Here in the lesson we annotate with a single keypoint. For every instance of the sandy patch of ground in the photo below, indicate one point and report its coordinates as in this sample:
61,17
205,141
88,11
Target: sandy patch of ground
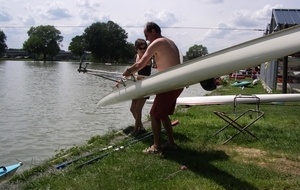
277,162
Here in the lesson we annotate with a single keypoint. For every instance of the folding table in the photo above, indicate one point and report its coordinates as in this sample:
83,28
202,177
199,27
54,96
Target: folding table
233,121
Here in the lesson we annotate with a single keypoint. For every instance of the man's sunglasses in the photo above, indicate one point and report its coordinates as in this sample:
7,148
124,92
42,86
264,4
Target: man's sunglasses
142,48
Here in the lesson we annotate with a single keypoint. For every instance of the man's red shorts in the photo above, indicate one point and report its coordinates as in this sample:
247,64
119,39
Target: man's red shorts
164,104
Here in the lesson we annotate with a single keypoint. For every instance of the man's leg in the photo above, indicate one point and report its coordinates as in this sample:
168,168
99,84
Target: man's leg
156,129
169,130
166,121
161,109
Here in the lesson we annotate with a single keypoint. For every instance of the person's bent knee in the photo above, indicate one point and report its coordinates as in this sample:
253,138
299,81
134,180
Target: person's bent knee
132,110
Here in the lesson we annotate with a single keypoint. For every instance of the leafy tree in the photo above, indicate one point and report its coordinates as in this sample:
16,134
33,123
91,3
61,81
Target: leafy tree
53,48
196,51
3,45
129,52
106,41
43,40
78,46
34,45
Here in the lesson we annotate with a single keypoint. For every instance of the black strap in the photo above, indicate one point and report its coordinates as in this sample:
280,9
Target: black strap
209,84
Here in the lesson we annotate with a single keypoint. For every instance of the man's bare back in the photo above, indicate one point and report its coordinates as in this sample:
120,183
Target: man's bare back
165,52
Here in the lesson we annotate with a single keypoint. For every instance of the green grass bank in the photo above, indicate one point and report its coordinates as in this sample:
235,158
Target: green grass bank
202,162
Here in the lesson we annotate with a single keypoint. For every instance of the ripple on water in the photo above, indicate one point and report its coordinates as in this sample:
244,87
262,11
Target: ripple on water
49,106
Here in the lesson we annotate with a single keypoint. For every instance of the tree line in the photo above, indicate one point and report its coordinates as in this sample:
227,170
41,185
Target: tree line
107,42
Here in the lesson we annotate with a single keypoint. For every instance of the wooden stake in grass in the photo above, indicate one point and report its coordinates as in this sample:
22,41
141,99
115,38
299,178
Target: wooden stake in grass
181,168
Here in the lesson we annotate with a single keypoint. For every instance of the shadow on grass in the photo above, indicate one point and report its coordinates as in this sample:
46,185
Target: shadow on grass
200,160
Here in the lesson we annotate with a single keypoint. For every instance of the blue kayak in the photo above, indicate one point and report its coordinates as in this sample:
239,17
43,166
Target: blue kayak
241,83
6,171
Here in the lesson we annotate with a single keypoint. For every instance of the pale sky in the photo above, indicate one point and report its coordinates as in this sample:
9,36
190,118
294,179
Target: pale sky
186,22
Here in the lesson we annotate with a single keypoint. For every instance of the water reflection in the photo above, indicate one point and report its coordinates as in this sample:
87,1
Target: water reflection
49,106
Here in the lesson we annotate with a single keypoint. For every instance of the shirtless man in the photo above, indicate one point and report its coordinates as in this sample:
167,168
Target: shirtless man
166,55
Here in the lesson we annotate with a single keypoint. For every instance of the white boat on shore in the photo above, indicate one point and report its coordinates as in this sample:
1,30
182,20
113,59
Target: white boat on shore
229,99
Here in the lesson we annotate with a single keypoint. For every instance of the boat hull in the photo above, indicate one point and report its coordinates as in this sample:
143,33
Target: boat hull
241,83
248,54
7,171
229,99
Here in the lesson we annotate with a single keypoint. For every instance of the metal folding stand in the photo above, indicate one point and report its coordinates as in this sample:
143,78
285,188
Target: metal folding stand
233,121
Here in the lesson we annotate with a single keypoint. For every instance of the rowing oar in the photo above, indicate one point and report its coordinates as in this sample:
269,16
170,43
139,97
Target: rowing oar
105,74
120,148
101,150
114,150
77,159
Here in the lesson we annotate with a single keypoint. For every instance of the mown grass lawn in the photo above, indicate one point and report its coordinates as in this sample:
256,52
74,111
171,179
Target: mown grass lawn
202,162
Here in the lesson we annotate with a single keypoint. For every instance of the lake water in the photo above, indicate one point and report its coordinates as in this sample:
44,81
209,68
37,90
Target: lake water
47,106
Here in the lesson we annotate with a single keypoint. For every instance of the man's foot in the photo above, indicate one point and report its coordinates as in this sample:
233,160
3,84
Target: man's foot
152,150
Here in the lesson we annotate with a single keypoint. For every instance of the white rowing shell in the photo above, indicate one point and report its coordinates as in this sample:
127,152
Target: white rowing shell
229,99
248,54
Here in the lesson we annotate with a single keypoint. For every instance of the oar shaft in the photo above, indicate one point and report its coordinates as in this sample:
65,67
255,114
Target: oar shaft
77,159
104,149
117,149
146,135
